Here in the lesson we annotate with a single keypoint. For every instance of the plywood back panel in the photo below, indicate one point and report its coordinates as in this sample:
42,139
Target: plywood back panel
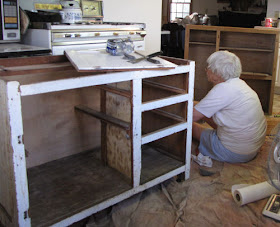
200,54
8,208
257,62
119,154
247,40
262,89
118,141
53,129
203,36
118,106
122,85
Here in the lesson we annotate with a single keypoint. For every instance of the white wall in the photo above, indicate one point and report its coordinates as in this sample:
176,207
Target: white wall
272,6
144,11
205,6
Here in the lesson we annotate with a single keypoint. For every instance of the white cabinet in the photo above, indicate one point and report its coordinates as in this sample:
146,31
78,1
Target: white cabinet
75,143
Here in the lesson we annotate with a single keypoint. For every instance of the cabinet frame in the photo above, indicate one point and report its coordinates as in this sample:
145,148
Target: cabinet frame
257,49
16,209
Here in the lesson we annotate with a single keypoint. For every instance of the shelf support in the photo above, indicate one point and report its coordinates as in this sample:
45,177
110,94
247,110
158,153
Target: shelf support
103,117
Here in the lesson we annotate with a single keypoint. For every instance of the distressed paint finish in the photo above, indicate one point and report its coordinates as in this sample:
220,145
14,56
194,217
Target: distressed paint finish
136,129
189,119
164,102
17,206
7,185
93,80
141,178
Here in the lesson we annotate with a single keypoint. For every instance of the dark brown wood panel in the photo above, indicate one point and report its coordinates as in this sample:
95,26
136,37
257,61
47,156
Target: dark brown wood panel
256,48
64,187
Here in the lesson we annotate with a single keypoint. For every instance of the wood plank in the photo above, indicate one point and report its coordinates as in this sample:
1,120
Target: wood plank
91,186
245,49
189,113
67,83
103,127
70,185
55,125
149,137
168,115
252,41
177,61
164,102
164,86
13,180
136,130
103,117
119,152
35,67
230,29
155,164
202,43
7,179
260,76
119,155
12,62
115,90
256,74
95,60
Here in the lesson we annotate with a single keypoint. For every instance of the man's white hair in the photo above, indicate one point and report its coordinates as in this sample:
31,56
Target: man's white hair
225,64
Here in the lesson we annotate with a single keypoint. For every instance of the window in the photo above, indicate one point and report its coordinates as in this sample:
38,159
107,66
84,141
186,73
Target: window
179,9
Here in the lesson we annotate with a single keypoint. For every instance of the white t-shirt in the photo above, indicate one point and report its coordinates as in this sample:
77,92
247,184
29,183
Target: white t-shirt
237,111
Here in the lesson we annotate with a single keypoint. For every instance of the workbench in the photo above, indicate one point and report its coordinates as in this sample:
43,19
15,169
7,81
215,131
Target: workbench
74,143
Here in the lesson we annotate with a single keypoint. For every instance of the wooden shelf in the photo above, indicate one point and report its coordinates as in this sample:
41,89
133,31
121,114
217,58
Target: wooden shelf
246,49
255,76
103,117
202,43
164,87
89,182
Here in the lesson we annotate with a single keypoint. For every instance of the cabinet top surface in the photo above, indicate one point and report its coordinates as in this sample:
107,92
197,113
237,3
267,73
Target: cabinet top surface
52,73
233,29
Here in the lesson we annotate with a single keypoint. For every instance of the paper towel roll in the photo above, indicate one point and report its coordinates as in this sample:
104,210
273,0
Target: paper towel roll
244,193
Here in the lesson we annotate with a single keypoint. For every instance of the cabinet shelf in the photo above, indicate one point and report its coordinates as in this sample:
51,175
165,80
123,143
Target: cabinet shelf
103,117
202,43
246,49
164,87
90,183
150,137
255,76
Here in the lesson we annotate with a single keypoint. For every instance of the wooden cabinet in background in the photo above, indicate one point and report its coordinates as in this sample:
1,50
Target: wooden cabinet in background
256,48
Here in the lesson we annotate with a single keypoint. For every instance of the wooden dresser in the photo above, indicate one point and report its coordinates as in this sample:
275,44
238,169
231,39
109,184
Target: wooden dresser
256,48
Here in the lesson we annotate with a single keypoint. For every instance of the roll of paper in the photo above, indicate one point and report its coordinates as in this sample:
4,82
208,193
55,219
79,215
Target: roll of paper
244,193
